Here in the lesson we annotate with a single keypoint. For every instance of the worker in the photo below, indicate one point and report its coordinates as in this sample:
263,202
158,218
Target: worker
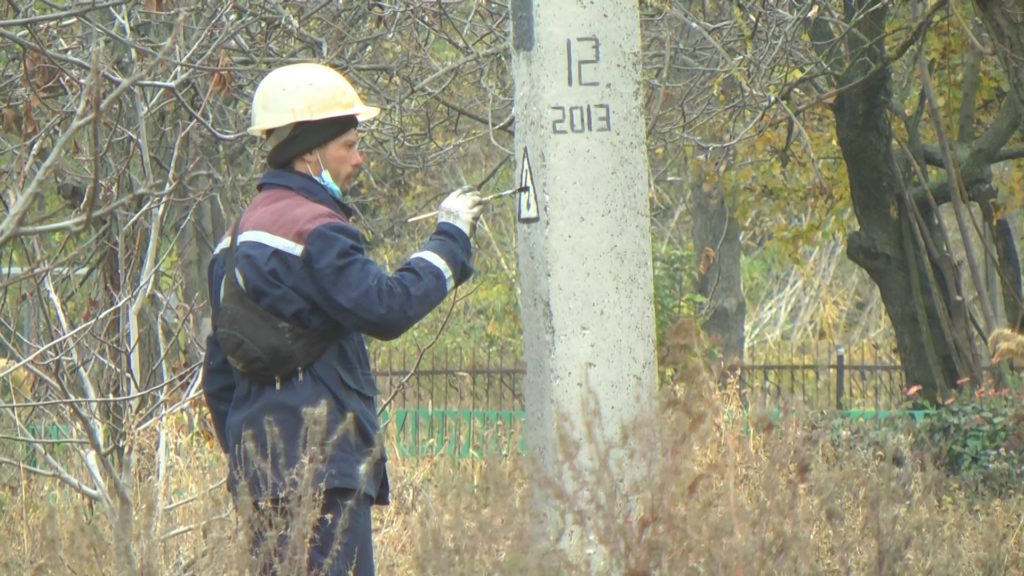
287,377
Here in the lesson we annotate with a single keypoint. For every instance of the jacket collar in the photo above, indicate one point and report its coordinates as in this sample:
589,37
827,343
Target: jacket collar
303,184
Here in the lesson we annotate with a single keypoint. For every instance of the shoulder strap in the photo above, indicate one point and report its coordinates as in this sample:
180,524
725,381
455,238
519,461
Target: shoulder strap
230,264
230,271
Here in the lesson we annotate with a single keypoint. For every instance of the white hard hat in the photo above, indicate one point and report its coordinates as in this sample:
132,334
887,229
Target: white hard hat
303,92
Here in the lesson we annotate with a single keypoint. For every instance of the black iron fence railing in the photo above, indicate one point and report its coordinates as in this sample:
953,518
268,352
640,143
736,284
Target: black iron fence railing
446,379
821,379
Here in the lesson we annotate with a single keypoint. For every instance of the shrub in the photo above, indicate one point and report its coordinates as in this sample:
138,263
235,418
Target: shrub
981,440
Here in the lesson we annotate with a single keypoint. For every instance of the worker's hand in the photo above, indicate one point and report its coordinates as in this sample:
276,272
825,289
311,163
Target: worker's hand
461,208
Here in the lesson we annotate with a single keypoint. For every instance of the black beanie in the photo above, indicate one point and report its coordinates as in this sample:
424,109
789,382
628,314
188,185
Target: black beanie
305,136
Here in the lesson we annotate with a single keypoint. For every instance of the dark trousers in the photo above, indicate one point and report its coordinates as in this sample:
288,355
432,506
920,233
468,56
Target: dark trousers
341,542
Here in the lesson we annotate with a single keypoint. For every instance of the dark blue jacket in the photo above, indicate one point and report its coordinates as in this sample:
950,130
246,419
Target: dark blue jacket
299,258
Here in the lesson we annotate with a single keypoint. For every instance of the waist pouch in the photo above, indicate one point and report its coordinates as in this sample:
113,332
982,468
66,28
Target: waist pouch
256,342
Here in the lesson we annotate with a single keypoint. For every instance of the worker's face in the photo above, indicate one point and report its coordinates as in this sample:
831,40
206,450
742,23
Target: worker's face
341,158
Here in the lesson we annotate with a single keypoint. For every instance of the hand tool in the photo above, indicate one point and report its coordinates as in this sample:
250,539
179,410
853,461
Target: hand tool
484,199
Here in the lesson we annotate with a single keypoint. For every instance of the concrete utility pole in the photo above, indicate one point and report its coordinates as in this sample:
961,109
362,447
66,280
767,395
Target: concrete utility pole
584,244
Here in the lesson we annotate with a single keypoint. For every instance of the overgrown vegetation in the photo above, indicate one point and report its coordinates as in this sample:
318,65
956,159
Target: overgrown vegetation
711,494
981,441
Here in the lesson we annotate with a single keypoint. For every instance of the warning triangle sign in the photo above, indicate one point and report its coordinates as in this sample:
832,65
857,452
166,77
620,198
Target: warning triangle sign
529,211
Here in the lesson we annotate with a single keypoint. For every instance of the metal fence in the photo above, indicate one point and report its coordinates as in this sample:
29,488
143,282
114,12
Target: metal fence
450,379
819,377
835,378
449,402
825,377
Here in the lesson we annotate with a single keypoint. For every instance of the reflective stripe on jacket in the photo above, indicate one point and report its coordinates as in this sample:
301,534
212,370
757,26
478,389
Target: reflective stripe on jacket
299,258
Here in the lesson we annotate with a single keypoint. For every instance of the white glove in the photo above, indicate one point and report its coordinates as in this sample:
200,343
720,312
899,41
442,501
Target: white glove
462,208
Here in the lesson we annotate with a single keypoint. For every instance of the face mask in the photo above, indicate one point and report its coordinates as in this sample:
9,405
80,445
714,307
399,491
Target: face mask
326,179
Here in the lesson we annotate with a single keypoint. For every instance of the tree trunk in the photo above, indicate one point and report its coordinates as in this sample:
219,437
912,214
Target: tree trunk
1008,271
915,286
1005,22
716,239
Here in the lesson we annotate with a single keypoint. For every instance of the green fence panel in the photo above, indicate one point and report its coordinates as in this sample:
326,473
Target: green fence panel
456,432
867,415
475,433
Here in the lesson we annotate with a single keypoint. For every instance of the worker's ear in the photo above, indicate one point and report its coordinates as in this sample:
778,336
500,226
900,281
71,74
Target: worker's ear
311,157
307,163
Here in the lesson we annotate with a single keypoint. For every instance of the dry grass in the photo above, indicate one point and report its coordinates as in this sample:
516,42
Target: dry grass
715,495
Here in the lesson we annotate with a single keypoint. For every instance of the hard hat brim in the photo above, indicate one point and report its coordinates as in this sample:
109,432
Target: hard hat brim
363,113
368,113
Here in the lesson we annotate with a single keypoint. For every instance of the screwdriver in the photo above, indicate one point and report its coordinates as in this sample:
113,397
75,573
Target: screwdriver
484,199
